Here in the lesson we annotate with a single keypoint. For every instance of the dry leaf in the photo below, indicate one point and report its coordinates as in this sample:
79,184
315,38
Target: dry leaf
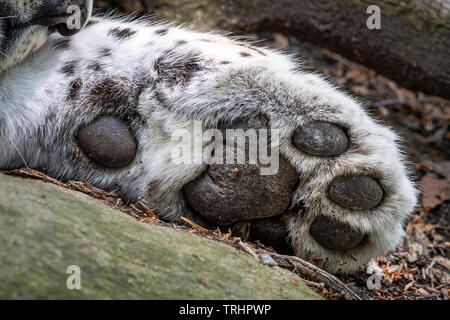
435,191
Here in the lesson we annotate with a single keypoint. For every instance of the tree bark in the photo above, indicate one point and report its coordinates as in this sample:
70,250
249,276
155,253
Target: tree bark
44,229
412,47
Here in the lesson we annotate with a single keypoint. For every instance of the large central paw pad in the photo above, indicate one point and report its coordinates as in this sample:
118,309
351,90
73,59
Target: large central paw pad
228,193
233,192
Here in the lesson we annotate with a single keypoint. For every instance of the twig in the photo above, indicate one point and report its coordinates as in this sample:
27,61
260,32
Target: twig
439,134
147,210
30,173
198,227
427,297
309,270
427,270
245,247
443,285
320,285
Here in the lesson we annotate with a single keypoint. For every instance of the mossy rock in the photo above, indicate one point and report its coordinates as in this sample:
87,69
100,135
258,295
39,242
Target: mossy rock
44,229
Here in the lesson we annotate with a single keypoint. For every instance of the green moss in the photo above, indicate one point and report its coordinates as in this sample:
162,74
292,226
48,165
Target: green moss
44,229
201,14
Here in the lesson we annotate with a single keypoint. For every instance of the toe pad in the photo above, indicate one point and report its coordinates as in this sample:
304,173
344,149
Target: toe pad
108,142
355,192
321,139
334,235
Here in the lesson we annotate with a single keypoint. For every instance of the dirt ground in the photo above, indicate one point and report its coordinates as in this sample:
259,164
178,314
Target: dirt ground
419,268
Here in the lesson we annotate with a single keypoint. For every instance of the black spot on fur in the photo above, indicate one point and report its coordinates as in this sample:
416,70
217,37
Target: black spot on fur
74,88
160,97
111,93
245,54
225,62
181,42
162,32
259,51
122,33
177,69
63,43
105,52
69,68
49,118
95,66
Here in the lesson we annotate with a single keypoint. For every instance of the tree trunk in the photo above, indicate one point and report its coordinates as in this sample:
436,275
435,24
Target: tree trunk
44,229
412,47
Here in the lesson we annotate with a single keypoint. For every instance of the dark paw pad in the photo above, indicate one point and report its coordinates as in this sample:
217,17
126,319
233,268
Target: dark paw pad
271,232
108,141
355,192
228,193
335,235
321,139
234,192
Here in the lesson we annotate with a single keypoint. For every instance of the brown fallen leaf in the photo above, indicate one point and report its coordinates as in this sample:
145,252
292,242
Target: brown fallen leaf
408,286
435,191
443,262
442,167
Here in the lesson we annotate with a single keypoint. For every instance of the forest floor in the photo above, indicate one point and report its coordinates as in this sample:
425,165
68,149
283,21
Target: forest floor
419,268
